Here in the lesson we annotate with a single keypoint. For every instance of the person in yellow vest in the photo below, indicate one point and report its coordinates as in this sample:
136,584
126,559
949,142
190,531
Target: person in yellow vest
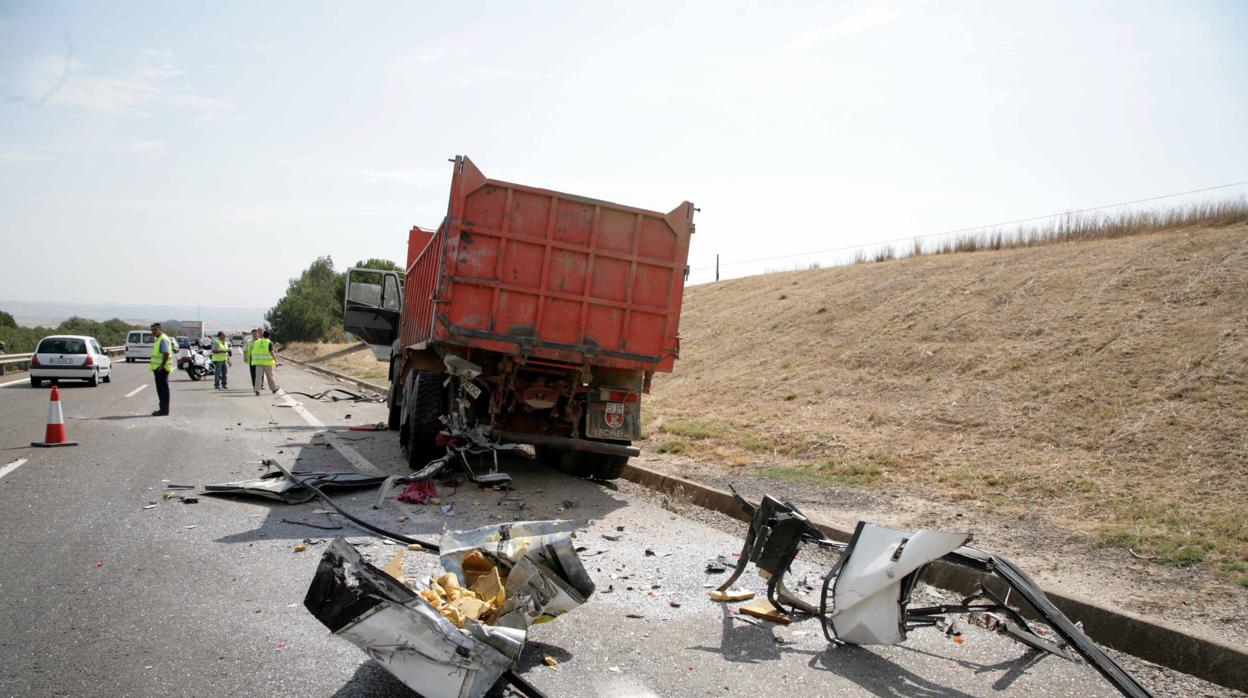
161,364
251,368
264,358
220,362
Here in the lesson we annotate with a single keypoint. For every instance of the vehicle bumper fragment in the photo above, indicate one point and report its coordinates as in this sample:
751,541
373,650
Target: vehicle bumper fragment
392,623
866,595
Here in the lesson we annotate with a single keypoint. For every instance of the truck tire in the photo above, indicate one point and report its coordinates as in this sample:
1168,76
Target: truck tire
424,405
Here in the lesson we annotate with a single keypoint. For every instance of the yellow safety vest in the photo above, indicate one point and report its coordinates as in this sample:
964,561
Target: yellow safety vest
261,353
158,360
220,345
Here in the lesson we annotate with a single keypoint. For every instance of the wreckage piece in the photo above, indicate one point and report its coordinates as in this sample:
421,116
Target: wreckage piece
877,574
403,633
423,647
292,488
777,530
545,577
866,595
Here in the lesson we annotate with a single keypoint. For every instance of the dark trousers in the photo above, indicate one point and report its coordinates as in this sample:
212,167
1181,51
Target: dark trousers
162,388
252,368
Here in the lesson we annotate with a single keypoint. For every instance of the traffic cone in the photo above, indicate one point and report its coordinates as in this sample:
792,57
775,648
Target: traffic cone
55,434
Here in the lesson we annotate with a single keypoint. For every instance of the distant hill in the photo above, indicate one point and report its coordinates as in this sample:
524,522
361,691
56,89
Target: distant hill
31,313
1103,384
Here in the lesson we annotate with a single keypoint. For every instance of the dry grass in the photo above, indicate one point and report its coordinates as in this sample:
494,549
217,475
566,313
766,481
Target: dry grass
1082,227
360,364
1102,383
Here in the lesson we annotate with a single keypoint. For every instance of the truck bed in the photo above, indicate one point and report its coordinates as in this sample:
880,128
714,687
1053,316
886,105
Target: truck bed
532,272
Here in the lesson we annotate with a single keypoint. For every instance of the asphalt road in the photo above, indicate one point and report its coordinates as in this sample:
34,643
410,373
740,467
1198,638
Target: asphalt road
102,596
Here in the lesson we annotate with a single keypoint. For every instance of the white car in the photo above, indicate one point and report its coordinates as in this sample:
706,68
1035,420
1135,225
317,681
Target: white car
70,357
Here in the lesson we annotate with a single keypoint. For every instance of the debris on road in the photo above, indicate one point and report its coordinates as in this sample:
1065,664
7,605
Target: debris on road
550,661
766,610
395,567
328,396
865,596
718,565
379,426
300,548
511,574
277,485
323,527
419,492
730,595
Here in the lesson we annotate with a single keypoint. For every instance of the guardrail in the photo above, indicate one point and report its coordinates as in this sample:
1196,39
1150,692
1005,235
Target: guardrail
21,360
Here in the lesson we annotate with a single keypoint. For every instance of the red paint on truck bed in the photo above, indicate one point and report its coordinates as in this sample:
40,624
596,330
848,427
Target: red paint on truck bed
527,271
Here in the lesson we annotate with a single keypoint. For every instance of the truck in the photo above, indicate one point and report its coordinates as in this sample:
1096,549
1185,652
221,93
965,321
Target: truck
193,329
534,316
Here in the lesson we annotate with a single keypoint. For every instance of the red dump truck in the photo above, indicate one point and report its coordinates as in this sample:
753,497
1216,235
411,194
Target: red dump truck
540,316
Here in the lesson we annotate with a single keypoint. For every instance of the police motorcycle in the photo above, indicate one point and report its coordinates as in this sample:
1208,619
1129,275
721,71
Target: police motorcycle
196,360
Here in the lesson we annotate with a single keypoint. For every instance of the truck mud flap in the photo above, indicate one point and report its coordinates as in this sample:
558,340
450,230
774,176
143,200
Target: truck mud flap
866,594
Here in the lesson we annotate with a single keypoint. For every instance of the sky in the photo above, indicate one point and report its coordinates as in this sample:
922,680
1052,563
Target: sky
205,153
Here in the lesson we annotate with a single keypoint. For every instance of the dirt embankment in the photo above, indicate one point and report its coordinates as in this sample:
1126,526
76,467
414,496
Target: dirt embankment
1098,390
361,363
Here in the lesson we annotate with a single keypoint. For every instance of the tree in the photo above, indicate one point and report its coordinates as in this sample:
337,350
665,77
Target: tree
310,311
6,320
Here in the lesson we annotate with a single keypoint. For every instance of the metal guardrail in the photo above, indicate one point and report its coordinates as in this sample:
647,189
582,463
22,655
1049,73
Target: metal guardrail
7,360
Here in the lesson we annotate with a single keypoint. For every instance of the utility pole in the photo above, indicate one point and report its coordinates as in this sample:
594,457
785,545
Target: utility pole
717,267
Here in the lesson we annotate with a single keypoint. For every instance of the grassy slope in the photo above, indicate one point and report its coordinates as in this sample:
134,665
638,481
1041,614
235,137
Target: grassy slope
361,364
1103,383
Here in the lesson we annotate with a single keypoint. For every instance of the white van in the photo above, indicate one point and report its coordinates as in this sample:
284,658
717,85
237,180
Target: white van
139,345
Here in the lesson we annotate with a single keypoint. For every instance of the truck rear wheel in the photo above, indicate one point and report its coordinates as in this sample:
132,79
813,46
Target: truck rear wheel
591,466
423,406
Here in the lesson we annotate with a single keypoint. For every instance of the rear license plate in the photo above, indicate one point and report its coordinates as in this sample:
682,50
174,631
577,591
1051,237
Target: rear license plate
62,360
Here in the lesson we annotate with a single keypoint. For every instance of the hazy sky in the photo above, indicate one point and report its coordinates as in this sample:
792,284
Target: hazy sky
204,153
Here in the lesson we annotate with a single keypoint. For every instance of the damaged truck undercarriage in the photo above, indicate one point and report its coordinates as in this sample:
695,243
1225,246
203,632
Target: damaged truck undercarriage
865,596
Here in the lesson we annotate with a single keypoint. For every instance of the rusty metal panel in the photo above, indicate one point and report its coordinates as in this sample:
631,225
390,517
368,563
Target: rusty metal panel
419,285
528,271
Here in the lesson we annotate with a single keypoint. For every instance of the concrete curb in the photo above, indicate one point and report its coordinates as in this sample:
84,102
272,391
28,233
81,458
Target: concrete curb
1155,641
384,390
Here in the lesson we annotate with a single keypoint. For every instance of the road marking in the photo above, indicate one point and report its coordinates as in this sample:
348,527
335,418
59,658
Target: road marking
11,467
134,392
23,380
361,464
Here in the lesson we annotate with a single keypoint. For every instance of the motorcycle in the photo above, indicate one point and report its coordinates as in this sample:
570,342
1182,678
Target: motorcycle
196,362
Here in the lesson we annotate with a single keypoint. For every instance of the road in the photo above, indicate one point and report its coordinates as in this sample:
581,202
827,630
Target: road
102,596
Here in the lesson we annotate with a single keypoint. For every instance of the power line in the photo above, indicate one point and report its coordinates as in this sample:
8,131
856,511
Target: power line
976,227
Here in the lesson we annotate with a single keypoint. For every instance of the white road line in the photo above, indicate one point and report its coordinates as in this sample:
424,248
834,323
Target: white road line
361,464
11,467
23,380
134,392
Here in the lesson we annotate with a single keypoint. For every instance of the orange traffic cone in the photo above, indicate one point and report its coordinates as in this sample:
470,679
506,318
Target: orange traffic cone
55,434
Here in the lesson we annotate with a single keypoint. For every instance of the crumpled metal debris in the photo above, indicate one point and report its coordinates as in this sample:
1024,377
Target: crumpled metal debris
412,639
865,597
277,485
